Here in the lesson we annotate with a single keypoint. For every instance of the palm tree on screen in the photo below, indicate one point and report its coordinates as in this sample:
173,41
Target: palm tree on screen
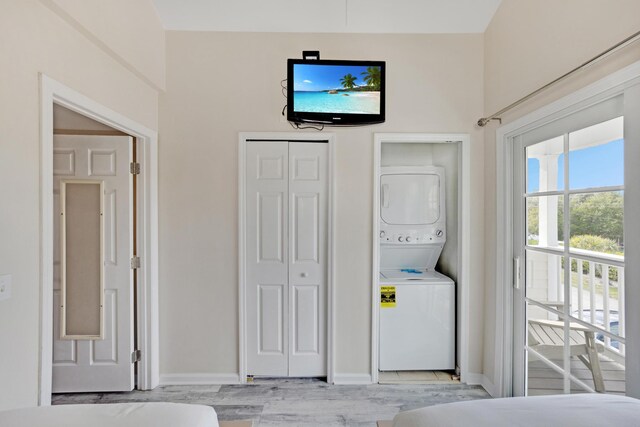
348,81
372,77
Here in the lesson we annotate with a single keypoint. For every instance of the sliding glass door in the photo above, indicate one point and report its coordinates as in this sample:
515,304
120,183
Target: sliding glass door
569,256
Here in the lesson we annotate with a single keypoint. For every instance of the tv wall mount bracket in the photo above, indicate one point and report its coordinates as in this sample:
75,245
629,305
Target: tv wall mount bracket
311,55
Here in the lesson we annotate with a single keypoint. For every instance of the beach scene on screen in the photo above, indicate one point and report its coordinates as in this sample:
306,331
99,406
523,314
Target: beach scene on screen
336,89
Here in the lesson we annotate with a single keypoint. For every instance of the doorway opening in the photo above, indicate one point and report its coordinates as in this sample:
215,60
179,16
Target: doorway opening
421,230
567,185
83,196
95,256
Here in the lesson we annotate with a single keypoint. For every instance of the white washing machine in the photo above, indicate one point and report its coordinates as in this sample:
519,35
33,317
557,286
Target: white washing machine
418,334
417,329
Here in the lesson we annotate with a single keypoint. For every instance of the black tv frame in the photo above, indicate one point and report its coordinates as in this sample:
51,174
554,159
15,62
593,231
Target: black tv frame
335,119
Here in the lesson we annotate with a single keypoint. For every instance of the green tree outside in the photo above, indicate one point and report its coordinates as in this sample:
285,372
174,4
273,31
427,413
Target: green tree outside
598,214
595,214
596,244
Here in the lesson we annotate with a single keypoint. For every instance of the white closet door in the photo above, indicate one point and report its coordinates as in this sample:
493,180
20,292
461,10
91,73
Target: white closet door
307,258
286,223
95,354
267,294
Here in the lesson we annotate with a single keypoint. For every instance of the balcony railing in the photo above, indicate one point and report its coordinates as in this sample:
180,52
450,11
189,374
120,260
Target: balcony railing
598,296
596,288
597,291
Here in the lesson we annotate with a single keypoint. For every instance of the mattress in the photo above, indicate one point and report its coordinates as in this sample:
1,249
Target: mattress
112,415
575,410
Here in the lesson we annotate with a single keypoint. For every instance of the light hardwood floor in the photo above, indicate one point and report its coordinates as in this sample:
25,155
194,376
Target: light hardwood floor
296,402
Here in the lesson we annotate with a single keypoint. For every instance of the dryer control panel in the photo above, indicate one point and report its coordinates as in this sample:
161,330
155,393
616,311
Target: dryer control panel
412,205
408,236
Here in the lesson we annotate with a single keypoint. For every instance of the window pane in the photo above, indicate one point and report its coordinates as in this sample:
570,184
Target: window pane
544,280
544,221
596,156
596,222
544,289
545,338
595,294
545,167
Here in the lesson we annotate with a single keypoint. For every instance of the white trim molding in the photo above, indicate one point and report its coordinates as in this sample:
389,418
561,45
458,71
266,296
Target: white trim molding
53,92
482,380
464,237
243,137
199,379
607,87
352,379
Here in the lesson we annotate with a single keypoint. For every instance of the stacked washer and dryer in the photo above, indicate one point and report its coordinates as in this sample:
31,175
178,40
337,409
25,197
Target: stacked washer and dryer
417,331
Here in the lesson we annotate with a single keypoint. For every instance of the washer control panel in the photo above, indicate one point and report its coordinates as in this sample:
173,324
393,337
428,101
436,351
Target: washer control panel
412,236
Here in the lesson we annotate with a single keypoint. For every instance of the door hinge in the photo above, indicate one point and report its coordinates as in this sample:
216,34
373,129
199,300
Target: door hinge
516,272
135,262
134,168
136,356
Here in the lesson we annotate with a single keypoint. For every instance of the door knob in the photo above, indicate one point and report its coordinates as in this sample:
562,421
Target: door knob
304,274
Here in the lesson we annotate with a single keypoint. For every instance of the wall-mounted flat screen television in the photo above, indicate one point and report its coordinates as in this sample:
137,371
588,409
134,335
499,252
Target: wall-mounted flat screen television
335,92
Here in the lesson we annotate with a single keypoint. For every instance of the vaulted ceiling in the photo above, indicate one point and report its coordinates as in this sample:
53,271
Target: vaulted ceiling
328,16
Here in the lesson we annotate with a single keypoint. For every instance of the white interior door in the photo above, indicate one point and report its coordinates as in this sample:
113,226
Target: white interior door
267,258
84,360
307,258
286,216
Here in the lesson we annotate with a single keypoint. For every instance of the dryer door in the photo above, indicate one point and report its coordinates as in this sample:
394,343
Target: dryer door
410,199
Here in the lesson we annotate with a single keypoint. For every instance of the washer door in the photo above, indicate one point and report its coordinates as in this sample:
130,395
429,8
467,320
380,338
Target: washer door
410,199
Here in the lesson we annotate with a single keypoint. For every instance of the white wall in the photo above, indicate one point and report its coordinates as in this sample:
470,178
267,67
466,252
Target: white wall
528,44
35,39
65,119
219,84
129,30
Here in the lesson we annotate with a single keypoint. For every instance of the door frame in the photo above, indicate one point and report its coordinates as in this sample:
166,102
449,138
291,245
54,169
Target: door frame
607,87
242,224
53,92
464,239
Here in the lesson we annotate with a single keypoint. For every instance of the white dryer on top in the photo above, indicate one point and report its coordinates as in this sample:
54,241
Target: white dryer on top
412,214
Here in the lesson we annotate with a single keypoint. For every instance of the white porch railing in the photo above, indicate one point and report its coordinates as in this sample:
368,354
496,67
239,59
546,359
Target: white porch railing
600,300
596,303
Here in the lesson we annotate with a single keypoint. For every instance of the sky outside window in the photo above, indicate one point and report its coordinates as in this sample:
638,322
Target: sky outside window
596,166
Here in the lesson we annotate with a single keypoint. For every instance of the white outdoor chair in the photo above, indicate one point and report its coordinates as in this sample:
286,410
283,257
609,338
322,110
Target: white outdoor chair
547,338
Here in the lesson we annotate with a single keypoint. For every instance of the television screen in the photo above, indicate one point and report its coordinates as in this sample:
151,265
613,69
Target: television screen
335,92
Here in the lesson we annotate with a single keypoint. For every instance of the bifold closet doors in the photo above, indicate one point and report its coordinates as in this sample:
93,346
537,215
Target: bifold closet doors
286,258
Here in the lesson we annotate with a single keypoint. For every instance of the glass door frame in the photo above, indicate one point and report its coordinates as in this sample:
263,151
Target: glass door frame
507,380
521,248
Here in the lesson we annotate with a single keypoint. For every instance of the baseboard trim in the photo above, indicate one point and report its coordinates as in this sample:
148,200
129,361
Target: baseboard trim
490,387
351,379
199,379
483,380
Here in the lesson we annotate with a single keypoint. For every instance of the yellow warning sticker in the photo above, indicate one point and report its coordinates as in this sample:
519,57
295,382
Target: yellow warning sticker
387,296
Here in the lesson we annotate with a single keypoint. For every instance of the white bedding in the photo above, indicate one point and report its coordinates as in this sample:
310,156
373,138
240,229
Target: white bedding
575,410
112,415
